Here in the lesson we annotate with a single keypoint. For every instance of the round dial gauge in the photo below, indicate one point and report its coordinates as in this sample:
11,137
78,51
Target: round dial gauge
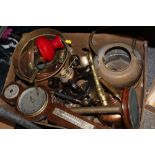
11,91
32,101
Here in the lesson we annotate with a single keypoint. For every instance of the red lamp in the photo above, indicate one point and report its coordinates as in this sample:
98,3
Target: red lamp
48,47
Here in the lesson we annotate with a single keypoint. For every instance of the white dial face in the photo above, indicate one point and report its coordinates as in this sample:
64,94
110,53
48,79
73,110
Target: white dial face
32,100
11,91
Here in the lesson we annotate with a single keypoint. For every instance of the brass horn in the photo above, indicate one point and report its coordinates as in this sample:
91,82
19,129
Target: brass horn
100,90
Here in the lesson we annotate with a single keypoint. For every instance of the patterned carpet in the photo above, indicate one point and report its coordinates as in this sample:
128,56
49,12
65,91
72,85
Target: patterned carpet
8,41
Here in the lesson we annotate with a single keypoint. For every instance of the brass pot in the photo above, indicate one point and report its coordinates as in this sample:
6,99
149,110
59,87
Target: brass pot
23,57
118,65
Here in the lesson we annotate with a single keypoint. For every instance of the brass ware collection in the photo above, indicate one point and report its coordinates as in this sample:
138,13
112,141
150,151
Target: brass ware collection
59,87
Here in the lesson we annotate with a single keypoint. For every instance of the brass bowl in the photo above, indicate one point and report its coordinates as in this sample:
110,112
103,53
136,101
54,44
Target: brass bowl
23,57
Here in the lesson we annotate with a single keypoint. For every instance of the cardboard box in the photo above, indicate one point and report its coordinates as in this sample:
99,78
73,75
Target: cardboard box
80,41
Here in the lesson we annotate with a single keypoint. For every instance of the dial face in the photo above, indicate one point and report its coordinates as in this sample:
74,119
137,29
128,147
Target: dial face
32,101
11,91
